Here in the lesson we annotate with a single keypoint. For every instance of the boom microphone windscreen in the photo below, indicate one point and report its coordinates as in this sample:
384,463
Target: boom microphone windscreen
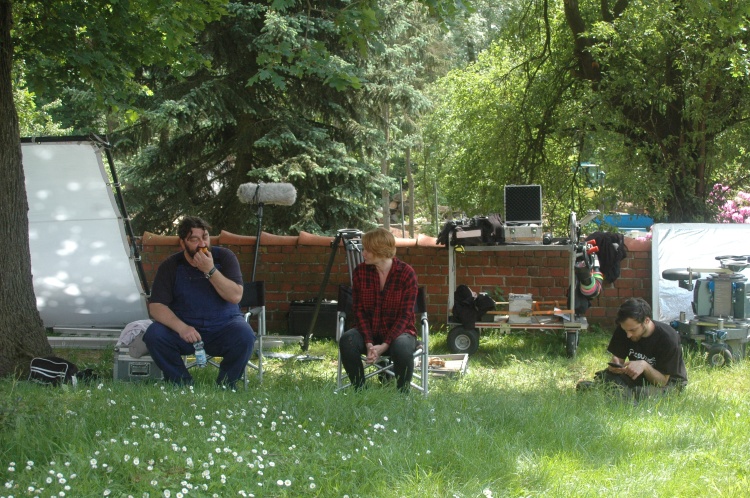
283,194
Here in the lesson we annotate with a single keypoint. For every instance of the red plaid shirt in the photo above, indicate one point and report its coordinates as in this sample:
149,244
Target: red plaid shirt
381,316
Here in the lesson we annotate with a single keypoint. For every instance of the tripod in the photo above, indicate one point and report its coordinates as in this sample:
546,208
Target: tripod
349,236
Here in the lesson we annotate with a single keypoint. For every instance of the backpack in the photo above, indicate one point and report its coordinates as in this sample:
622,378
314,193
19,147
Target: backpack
470,306
493,228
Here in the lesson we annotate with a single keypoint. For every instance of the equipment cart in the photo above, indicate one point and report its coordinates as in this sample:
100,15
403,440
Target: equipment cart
462,340
721,307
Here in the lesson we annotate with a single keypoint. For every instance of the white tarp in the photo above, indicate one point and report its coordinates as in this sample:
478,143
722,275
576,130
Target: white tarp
690,245
83,271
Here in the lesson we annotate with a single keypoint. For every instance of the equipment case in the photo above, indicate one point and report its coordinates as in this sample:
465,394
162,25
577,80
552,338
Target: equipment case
128,368
523,234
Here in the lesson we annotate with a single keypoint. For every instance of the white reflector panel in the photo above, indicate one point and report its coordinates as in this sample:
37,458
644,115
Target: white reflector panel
84,275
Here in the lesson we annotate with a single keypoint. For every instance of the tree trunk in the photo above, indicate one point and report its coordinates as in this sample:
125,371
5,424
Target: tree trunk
410,179
669,132
22,334
386,196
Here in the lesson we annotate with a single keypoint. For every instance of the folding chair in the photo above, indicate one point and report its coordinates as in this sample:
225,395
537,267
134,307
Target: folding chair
253,303
384,369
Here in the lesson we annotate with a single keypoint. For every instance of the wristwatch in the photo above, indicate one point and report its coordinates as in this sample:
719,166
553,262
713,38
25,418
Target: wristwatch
211,273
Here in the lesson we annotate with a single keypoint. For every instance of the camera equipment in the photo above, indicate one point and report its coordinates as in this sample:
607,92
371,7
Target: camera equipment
721,306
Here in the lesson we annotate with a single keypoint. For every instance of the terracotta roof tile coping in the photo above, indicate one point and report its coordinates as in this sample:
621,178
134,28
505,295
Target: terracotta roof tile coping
268,239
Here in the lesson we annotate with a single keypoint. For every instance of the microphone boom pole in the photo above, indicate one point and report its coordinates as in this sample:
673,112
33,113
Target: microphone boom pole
283,194
257,239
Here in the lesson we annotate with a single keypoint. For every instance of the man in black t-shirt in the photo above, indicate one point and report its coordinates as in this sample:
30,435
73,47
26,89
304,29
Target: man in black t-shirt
646,354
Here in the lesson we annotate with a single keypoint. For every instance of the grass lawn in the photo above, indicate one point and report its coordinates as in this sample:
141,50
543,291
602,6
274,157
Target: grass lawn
512,426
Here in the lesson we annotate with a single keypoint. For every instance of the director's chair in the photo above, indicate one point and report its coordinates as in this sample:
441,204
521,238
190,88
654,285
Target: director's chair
254,303
384,367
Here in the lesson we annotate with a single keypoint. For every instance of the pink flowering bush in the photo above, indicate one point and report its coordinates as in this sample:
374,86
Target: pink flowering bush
729,208
645,237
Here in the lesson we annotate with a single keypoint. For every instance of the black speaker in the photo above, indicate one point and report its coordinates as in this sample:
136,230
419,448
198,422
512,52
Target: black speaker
523,204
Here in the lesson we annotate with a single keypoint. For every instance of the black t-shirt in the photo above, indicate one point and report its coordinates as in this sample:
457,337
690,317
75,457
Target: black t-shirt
661,350
162,290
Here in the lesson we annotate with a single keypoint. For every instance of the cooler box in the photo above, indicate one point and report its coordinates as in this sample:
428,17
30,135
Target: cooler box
301,313
128,368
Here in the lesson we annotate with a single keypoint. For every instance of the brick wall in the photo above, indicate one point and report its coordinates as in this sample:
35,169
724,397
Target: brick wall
293,268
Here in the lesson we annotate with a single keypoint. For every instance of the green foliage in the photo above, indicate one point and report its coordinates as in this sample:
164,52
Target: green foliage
288,98
667,92
35,121
652,91
506,120
99,53
270,109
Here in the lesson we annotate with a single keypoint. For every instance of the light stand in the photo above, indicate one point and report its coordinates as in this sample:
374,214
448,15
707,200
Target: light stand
257,238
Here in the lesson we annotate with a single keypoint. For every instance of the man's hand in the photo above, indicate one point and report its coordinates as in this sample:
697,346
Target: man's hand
190,335
229,290
638,367
616,361
203,261
374,352
162,314
635,368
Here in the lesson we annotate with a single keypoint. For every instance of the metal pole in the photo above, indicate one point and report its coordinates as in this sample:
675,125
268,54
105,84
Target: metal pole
257,239
124,213
437,214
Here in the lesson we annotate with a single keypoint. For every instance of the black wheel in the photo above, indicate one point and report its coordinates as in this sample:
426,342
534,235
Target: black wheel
463,341
571,344
720,356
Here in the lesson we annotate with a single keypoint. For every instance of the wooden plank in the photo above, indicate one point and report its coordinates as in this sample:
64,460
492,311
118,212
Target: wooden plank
529,313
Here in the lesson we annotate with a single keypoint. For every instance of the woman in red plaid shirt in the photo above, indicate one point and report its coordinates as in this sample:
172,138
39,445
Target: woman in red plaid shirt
383,297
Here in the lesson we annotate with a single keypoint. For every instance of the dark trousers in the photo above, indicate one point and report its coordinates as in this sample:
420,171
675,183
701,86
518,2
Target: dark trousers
232,340
638,389
401,351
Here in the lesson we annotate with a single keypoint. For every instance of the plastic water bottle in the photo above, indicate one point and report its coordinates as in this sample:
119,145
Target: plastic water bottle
200,354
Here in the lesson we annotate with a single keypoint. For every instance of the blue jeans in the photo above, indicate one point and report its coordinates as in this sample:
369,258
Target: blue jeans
232,340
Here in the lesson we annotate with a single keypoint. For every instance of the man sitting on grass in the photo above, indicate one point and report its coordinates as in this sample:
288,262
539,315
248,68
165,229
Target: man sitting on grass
646,355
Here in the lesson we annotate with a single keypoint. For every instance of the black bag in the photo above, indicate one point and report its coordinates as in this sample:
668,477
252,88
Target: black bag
467,234
612,251
493,229
476,231
52,370
468,307
444,237
483,303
